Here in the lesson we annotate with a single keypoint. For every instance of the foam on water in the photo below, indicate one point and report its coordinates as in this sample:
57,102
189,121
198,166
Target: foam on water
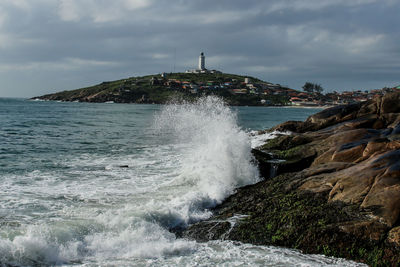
258,139
229,253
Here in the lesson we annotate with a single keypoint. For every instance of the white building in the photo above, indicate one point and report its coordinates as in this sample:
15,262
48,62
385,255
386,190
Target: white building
202,66
202,61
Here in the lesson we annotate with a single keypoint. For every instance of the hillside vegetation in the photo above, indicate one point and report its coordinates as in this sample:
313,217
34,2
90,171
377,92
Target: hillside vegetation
157,89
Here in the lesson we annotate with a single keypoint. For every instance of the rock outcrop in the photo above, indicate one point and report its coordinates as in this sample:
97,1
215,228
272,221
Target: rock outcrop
337,191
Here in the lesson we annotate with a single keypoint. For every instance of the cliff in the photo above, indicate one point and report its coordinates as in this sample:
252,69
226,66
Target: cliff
337,189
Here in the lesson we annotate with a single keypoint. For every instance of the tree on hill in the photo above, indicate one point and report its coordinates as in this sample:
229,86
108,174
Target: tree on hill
308,87
318,88
312,88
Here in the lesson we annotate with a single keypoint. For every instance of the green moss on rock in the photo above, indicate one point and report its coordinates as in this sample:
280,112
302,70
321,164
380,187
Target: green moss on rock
283,216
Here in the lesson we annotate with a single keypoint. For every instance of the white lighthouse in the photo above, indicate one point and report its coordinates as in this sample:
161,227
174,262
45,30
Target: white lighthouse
202,66
202,61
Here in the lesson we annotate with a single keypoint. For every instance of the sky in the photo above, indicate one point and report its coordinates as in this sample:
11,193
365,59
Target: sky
48,46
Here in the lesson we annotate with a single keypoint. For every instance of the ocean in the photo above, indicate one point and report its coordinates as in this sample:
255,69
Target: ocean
90,184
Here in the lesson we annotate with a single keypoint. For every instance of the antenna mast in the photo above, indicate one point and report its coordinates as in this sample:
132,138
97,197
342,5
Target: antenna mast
174,58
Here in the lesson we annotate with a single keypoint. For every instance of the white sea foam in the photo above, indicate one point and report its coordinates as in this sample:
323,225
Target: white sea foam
228,253
258,139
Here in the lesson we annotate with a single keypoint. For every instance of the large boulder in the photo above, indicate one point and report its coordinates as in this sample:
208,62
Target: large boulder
390,103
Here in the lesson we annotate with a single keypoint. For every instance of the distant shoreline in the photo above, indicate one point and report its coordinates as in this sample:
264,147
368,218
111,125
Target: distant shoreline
320,107
108,102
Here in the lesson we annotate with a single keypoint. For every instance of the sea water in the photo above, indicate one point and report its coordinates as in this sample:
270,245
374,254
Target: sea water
85,184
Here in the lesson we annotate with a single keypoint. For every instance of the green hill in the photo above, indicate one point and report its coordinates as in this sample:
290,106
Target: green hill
159,90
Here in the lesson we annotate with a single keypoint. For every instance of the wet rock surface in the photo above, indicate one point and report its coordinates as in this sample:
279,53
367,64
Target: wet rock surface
337,191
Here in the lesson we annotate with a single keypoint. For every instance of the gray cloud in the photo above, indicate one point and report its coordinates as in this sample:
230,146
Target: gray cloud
48,45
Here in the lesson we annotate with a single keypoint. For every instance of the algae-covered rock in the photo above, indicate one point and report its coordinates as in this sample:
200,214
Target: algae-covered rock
337,191
394,236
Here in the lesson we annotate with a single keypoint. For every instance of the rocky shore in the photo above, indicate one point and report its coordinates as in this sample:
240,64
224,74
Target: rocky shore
336,189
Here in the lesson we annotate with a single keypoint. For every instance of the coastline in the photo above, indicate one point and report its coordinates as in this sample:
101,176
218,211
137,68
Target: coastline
111,102
336,191
310,107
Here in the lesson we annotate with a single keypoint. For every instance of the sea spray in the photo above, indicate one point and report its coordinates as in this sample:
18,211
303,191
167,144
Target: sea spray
258,139
217,157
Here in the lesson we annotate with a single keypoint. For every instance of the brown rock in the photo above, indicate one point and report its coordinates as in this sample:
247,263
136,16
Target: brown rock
384,195
394,236
343,146
390,103
374,147
323,183
348,155
379,145
354,167
324,157
372,230
391,119
370,107
292,126
366,121
333,115
353,184
328,167
373,184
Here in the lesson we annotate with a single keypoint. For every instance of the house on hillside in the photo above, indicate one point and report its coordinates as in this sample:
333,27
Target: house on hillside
239,91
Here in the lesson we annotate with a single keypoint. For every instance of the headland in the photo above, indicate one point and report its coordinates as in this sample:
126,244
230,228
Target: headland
236,90
162,88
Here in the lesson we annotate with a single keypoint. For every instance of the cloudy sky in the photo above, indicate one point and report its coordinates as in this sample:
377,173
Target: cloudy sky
52,45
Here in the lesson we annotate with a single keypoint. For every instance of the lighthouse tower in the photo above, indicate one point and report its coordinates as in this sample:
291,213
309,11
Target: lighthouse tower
202,61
